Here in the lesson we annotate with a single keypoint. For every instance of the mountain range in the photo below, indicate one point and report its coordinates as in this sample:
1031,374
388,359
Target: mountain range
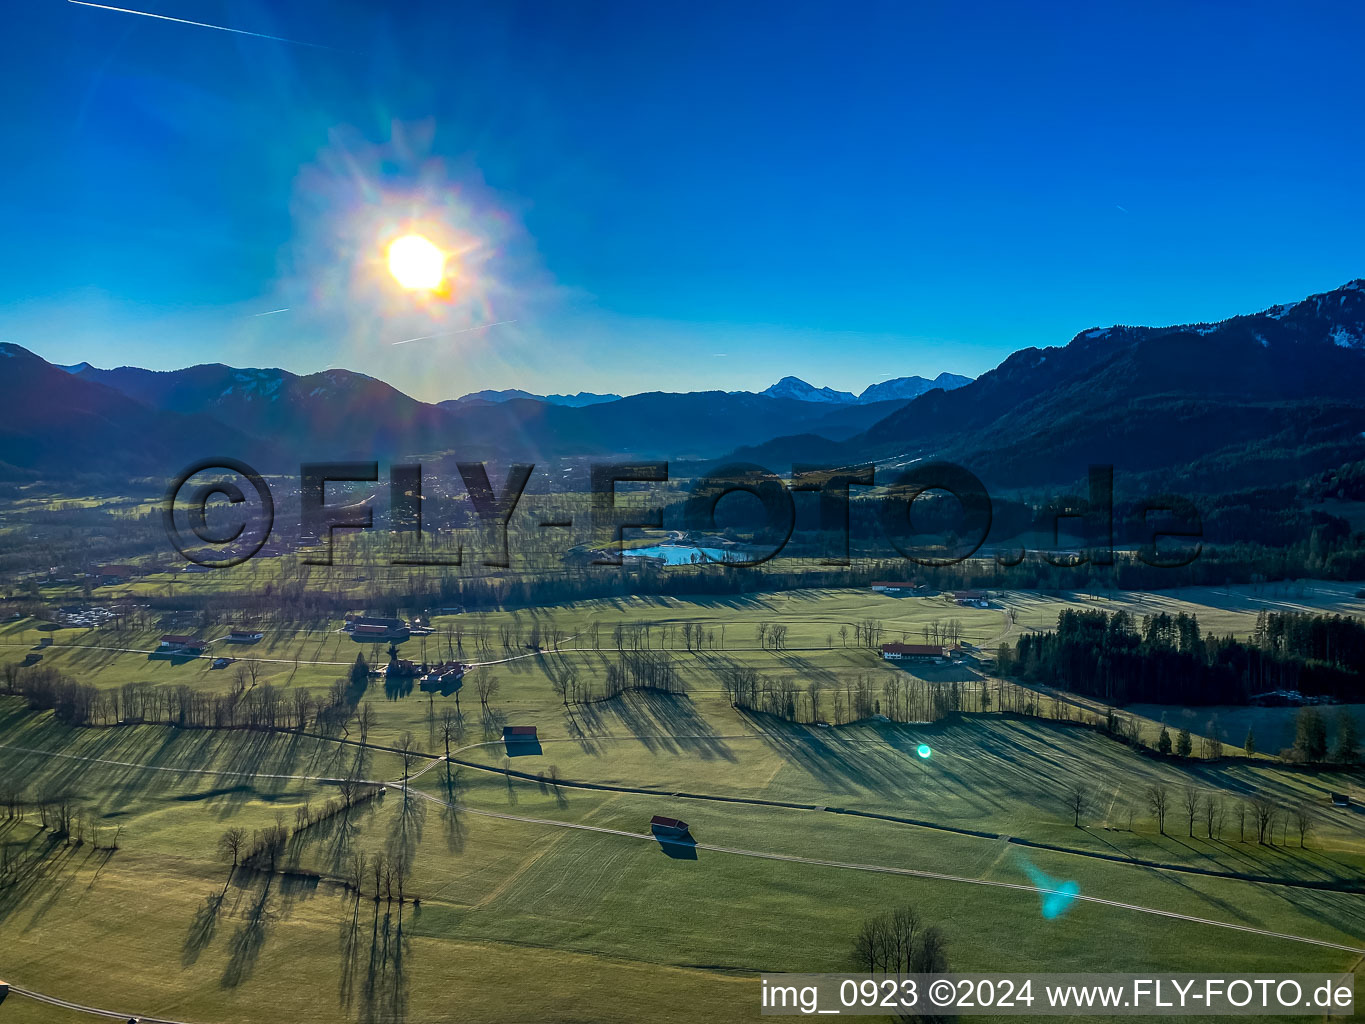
1251,400
509,394
131,420
901,388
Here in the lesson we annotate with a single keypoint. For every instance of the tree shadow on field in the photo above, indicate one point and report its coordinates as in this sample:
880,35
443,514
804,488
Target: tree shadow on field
453,827
667,723
834,763
40,870
584,725
405,832
335,835
270,899
733,601
384,988
204,925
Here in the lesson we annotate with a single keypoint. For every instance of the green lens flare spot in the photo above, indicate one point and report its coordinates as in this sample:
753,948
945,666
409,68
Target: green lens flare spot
923,751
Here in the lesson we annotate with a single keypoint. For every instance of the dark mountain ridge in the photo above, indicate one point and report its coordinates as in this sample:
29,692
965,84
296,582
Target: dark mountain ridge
1141,398
54,423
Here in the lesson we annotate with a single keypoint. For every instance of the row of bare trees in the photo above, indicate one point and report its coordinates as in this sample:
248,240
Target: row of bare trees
62,815
897,942
900,697
1257,817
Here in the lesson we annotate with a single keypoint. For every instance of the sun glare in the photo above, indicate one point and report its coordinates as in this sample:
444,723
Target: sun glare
417,264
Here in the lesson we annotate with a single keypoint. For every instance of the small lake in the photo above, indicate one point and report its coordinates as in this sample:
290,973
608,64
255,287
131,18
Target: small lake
684,554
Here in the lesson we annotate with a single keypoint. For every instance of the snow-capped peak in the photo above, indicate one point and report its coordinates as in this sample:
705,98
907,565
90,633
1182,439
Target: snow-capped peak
907,388
795,387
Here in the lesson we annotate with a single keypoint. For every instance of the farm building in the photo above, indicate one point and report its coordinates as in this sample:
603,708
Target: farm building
372,632
445,678
245,636
972,598
661,825
883,587
375,627
519,734
181,644
1341,800
912,652
443,671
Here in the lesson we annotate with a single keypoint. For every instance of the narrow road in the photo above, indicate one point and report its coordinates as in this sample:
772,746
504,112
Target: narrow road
95,1010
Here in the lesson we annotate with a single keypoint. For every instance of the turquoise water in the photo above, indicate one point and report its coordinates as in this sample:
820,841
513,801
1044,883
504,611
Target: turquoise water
682,554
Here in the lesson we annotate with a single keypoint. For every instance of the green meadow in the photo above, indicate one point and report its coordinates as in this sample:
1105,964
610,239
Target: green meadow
533,889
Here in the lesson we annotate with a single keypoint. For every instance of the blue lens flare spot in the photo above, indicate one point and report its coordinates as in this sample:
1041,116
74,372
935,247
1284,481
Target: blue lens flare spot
923,751
1057,896
1058,902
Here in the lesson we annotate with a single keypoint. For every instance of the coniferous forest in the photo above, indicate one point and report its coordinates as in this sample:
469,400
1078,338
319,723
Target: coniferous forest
1167,659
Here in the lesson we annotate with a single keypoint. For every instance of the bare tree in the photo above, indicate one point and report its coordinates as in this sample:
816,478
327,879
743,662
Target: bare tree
349,788
1191,801
1077,799
231,843
488,686
813,695
377,869
364,716
897,942
1304,822
1263,814
450,728
355,875
407,751
1213,812
400,874
1158,799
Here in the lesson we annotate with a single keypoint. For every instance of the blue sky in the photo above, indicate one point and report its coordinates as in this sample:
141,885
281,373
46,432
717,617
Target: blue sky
679,197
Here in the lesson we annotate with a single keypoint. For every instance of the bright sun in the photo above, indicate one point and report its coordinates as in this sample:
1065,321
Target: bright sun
417,264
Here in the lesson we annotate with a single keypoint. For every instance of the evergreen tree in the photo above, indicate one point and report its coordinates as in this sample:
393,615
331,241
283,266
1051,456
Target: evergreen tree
1184,746
360,672
1250,744
1348,738
1163,742
1310,735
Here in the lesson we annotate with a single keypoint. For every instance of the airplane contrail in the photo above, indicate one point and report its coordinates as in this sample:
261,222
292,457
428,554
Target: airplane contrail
268,312
201,24
462,330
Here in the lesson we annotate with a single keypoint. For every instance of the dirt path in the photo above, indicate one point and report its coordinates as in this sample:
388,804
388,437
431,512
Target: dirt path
79,1008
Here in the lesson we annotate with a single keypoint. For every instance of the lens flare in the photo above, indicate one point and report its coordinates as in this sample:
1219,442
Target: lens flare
924,751
417,264
1057,895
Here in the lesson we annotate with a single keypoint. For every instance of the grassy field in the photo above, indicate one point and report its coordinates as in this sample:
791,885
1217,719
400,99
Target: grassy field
173,932
543,898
